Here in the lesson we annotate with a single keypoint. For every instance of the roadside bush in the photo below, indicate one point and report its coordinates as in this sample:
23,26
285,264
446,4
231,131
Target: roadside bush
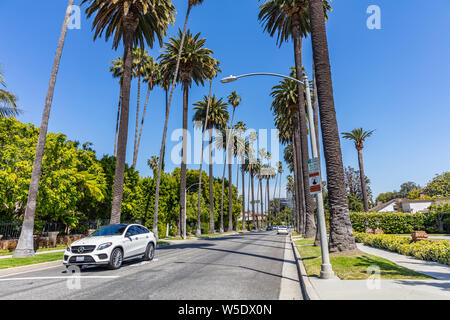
389,222
438,251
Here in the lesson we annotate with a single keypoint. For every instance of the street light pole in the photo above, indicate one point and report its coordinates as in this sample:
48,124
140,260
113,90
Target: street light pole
326,268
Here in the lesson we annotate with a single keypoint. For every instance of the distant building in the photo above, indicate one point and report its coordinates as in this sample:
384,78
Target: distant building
408,205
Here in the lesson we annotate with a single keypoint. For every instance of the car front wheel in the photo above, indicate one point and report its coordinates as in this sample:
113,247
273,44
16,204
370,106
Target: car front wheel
116,259
149,252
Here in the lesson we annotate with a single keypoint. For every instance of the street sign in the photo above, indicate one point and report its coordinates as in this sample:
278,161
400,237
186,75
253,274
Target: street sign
315,185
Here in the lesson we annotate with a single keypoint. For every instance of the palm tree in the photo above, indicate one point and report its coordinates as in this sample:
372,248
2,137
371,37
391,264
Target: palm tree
289,19
117,71
25,246
284,107
358,136
196,65
152,77
341,235
234,100
252,166
144,65
280,172
8,101
240,128
174,79
212,113
153,164
136,23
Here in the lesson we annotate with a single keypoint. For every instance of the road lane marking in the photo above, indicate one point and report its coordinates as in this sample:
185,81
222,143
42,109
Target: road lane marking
59,277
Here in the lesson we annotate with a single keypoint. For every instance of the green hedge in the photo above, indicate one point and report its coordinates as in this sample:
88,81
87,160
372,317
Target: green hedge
438,251
390,222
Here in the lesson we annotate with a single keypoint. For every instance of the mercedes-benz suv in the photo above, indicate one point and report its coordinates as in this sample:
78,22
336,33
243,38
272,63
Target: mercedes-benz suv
112,245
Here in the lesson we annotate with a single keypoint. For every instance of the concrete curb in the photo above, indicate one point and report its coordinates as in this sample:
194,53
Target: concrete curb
30,267
308,290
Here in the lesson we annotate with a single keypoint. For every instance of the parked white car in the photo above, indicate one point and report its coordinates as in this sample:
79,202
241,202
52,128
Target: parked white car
282,230
111,246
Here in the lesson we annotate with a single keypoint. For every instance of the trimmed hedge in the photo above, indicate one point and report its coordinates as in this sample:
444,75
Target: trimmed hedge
389,222
438,251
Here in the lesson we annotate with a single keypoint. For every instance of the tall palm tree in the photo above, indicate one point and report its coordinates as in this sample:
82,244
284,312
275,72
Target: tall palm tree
173,78
252,166
284,107
289,20
358,136
25,246
240,128
213,114
152,77
135,22
143,63
153,164
8,101
117,72
341,234
280,173
234,100
196,65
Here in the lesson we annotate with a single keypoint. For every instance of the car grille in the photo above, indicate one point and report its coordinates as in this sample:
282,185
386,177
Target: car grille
87,259
82,249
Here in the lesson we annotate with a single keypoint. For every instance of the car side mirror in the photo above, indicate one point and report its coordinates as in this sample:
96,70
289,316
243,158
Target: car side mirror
128,235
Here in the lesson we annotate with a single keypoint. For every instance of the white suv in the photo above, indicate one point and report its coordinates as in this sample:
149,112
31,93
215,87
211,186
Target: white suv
112,245
282,230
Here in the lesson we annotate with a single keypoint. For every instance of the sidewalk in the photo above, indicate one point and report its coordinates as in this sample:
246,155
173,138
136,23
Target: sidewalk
375,289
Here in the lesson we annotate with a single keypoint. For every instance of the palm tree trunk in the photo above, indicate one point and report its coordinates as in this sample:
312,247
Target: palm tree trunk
25,246
261,203
316,117
236,222
117,125
298,177
269,217
243,196
141,127
130,24
136,129
341,235
310,227
362,176
184,160
224,167
253,197
211,183
163,142
230,199
199,229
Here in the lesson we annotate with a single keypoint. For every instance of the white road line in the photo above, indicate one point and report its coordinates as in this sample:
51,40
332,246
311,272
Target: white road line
60,277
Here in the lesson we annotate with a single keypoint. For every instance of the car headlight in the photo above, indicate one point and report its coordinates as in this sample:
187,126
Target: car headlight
104,246
68,248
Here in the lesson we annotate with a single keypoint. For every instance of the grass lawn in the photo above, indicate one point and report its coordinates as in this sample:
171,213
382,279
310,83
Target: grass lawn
17,262
352,266
58,247
294,233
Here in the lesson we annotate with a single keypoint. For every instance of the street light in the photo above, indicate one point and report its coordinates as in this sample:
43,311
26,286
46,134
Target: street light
326,268
185,208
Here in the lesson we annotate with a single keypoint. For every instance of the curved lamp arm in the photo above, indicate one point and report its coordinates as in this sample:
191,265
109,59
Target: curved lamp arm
234,78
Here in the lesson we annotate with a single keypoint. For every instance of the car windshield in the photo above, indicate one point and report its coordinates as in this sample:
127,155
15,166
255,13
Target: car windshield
113,230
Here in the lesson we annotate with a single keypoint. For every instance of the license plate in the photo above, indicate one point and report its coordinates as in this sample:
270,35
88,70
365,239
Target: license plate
79,259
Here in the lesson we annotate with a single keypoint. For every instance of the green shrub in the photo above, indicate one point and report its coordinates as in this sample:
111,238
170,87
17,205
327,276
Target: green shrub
438,251
389,222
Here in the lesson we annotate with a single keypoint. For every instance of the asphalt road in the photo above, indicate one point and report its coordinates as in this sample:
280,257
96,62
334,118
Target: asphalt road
245,266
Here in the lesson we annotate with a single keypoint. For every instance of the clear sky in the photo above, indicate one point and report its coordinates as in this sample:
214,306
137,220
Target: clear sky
394,80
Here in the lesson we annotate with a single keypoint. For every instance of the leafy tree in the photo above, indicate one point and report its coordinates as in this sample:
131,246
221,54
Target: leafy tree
439,186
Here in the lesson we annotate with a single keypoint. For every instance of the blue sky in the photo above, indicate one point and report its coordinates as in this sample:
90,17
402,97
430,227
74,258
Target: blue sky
393,80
